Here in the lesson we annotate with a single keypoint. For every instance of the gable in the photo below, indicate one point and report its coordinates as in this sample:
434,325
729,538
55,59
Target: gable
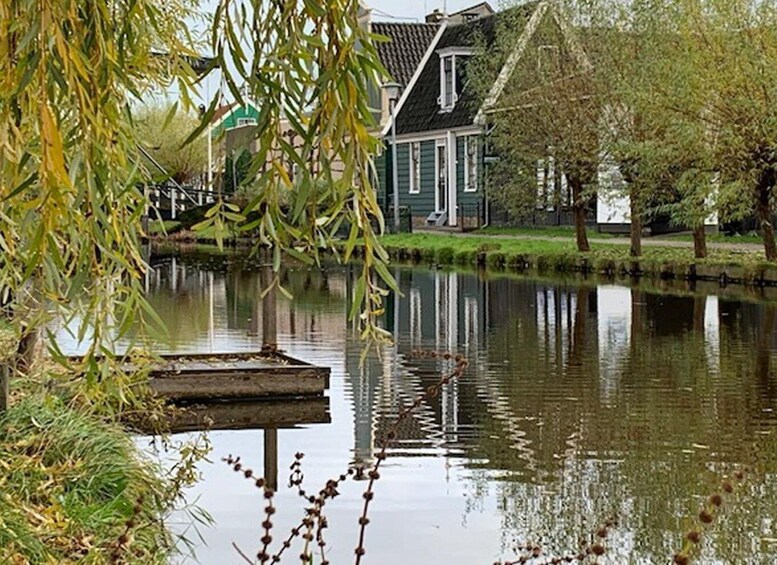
232,117
545,53
421,109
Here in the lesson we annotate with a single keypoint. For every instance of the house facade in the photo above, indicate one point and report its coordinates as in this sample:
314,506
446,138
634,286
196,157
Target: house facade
442,125
440,142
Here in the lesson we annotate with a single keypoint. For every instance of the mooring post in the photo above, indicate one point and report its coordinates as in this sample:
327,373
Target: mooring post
269,304
271,458
5,375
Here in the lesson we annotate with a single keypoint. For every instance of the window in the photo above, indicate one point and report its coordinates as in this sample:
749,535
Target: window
470,164
548,60
451,75
246,122
415,168
448,82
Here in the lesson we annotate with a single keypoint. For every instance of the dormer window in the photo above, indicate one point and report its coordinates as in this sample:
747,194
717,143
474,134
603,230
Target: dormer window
448,82
450,85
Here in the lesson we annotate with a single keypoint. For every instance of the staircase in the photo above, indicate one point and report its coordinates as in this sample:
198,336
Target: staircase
437,219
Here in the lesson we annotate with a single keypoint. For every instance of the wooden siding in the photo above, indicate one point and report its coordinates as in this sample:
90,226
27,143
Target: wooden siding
468,199
421,204
231,119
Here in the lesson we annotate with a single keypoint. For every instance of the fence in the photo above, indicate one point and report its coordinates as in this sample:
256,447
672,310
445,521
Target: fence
405,219
169,200
561,216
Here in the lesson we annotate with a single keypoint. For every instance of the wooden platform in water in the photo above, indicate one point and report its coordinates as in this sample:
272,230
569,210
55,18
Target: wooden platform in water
208,377
232,376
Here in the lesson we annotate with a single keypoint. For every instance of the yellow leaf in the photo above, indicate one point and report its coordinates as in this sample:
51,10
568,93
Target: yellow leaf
53,153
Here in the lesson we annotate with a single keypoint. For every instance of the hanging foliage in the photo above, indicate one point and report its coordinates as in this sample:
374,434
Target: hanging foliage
71,197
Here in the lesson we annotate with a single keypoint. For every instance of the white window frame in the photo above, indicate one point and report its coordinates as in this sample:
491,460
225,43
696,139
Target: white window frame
414,160
241,122
548,54
444,105
451,53
467,186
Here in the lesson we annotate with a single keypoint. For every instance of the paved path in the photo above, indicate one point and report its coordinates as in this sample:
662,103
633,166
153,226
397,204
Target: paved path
646,241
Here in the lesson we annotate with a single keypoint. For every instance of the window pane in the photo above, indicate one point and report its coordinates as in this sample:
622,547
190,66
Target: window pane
448,86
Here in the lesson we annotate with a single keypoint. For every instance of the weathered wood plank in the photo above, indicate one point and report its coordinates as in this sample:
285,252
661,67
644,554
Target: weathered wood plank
238,384
225,376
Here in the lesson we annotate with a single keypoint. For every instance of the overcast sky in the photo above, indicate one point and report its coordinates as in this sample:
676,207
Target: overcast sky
414,9
383,10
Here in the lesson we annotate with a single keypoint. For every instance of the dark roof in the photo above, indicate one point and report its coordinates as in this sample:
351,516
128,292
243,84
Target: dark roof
222,111
474,8
403,53
421,110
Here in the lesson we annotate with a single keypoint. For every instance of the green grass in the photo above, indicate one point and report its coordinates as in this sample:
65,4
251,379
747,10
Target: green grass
718,238
158,227
69,485
561,255
7,339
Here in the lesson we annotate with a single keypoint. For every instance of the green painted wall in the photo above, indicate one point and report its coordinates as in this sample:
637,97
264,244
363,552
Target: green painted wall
422,204
231,119
469,199
382,169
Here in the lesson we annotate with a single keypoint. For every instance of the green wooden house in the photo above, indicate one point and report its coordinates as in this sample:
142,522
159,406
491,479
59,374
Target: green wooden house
441,122
232,116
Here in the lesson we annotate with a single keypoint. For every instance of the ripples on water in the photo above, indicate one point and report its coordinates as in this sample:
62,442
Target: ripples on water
581,402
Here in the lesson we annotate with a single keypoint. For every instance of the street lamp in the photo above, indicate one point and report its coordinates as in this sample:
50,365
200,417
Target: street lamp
210,154
392,92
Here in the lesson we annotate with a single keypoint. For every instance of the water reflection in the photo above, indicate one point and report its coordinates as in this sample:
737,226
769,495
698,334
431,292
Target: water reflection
581,402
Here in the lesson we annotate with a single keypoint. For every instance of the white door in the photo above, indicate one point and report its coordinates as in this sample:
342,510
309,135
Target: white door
441,176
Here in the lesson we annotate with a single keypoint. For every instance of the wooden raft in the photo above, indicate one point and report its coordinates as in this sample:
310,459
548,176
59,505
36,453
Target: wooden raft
236,376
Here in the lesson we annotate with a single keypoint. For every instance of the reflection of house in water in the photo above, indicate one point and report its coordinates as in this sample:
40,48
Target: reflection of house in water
543,357
437,312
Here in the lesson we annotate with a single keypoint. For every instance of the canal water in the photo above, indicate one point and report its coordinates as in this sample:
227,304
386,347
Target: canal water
581,403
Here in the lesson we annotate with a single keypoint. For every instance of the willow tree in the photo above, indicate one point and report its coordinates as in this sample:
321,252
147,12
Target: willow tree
71,197
161,131
698,76
735,44
546,119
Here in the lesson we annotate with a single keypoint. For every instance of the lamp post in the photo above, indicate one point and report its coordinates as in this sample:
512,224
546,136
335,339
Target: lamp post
210,154
392,91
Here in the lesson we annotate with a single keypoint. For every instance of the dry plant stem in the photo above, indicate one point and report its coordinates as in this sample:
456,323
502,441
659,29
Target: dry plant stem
317,503
314,518
706,517
123,542
592,549
374,473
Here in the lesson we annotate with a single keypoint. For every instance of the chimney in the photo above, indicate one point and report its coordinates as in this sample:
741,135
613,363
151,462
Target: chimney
435,17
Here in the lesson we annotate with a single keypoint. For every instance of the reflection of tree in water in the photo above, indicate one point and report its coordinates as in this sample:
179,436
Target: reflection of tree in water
650,451
191,290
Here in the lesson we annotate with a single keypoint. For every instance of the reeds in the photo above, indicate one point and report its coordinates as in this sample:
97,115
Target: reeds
311,528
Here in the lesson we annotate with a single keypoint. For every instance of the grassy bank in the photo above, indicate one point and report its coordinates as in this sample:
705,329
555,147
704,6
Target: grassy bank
75,488
558,255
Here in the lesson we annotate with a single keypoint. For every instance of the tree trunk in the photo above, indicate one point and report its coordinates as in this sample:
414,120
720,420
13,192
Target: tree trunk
764,212
579,327
5,394
636,224
699,242
578,205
